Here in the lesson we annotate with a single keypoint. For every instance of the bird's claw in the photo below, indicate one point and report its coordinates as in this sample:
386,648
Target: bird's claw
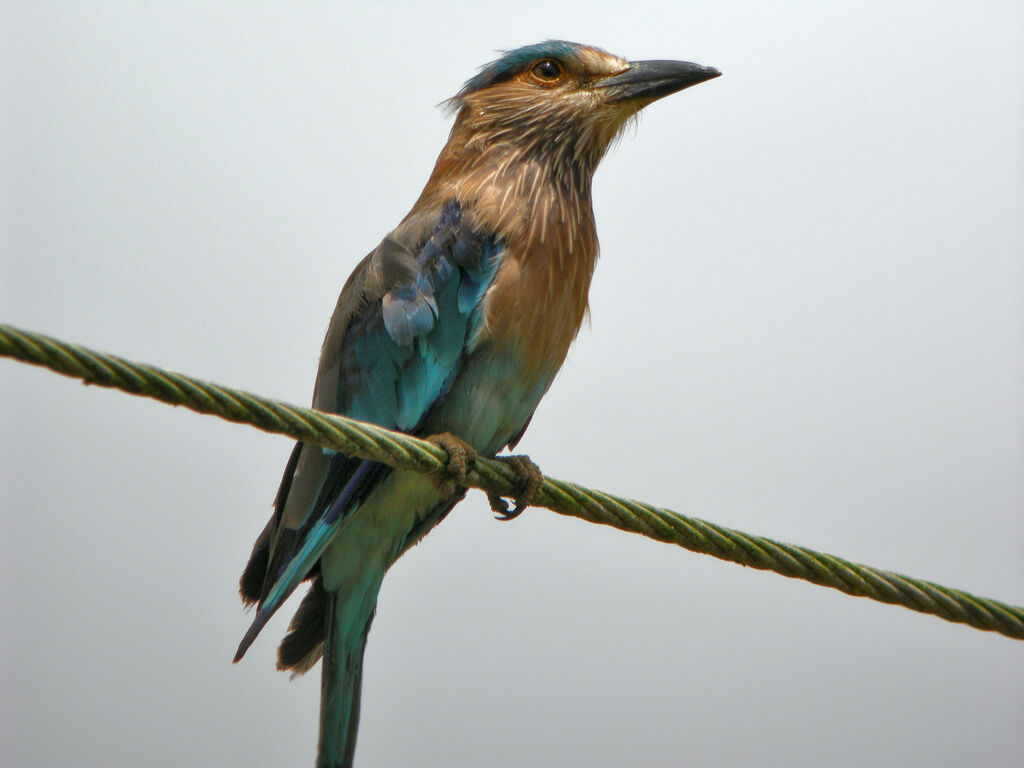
528,482
461,458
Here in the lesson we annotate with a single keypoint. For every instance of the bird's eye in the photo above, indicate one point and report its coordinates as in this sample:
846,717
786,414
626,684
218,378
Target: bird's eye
547,70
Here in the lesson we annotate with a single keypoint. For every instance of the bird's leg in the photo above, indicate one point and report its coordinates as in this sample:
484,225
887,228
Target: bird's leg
461,457
528,482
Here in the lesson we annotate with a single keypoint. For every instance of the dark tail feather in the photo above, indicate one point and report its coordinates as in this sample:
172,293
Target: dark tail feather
252,586
348,623
303,646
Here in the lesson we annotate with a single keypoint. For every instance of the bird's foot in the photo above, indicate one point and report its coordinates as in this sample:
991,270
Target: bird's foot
527,483
461,457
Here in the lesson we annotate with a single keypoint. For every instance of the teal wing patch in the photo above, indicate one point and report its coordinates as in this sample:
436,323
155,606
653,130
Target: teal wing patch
396,343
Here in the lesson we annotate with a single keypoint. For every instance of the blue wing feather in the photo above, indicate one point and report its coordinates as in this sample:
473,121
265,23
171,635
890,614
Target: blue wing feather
400,354
312,546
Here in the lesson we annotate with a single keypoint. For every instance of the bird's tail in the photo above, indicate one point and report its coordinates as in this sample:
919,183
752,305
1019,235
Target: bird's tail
348,622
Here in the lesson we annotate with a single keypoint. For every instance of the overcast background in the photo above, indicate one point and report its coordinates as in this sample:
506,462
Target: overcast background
808,323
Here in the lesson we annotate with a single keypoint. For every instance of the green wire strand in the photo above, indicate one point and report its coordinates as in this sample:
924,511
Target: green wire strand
399,450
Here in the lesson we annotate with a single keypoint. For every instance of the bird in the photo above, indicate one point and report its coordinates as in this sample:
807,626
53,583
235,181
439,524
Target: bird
451,329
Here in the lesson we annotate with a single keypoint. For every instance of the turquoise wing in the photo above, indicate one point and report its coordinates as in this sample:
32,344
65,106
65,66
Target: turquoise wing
395,345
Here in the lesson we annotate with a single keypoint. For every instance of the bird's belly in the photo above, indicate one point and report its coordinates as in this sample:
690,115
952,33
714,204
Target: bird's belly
490,400
373,538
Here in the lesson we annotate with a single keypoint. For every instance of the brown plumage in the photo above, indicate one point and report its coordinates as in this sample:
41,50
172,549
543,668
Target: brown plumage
521,156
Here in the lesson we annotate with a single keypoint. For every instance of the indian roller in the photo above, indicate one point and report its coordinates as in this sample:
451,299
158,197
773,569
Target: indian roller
452,328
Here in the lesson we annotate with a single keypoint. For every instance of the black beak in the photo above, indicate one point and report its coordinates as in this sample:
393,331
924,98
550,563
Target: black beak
648,81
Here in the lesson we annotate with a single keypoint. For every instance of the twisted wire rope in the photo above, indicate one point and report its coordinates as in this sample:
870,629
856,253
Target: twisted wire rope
494,477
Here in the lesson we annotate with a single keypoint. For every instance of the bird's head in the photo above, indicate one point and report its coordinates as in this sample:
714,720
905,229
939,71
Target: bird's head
563,101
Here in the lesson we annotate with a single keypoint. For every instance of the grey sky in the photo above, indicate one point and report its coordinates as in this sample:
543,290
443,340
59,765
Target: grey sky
808,323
